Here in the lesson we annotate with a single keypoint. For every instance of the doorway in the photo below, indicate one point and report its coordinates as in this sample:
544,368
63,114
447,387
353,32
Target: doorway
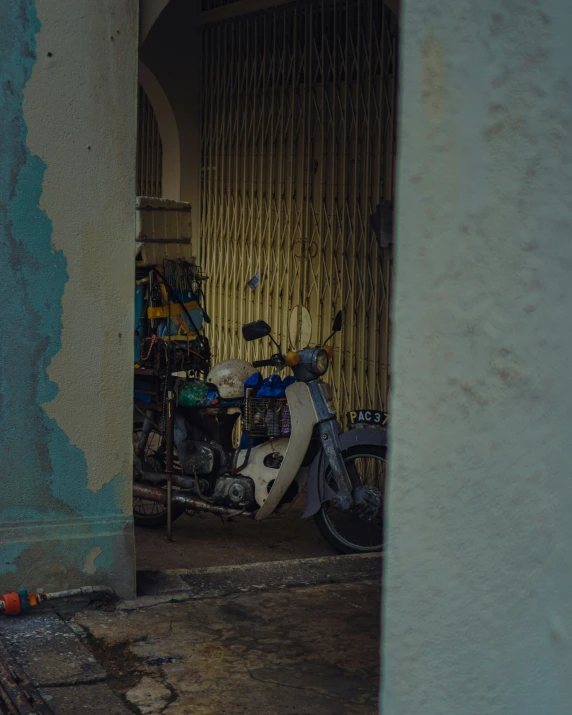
293,163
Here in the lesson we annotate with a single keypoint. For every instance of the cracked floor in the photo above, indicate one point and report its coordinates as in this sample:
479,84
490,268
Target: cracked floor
302,651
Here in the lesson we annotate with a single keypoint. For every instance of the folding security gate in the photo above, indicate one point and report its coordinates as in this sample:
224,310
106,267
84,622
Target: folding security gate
297,152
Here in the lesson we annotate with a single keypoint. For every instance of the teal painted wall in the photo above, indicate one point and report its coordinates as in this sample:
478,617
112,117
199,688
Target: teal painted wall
50,522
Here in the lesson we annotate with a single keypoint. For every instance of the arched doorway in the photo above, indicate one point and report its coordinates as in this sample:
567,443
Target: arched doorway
149,171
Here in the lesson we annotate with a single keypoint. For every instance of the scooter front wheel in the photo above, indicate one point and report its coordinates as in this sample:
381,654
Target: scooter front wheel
353,532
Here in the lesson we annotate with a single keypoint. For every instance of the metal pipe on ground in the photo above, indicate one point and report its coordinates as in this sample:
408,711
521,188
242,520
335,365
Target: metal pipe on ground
14,602
155,494
76,592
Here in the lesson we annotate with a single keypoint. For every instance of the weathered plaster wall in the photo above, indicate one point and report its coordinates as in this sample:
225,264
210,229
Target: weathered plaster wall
68,71
478,584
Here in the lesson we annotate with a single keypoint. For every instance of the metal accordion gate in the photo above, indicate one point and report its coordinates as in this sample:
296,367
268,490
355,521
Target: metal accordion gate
298,137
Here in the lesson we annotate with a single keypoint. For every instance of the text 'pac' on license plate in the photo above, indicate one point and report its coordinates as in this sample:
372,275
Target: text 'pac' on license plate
376,418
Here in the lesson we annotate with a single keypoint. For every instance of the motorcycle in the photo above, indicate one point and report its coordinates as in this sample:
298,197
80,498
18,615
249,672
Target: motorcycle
288,442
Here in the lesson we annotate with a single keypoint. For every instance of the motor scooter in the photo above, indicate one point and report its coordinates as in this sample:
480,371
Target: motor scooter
289,441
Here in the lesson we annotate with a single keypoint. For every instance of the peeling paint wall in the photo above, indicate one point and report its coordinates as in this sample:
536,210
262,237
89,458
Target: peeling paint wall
478,584
68,73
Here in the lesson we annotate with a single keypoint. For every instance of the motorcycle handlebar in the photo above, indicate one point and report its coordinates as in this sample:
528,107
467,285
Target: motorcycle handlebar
263,363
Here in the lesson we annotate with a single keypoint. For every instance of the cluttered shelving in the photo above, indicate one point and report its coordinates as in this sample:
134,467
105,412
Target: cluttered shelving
170,311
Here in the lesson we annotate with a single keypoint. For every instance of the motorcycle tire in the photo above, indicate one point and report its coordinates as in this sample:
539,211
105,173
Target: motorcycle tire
151,515
345,541
157,519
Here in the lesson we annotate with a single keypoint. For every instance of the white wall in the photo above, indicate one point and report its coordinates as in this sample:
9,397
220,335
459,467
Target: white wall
478,585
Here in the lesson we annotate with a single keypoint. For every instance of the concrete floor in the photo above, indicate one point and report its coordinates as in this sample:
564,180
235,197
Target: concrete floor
274,638
205,540
233,618
296,651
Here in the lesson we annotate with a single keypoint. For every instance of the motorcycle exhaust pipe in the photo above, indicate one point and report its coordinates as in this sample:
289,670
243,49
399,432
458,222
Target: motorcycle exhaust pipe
155,494
161,479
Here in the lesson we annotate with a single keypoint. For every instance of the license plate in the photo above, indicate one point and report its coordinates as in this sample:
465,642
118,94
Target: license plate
370,418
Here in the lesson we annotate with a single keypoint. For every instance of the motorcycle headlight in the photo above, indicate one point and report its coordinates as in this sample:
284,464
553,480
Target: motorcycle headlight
320,361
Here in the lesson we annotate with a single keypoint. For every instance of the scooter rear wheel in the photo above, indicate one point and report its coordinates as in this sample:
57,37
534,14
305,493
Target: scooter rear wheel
150,514
348,532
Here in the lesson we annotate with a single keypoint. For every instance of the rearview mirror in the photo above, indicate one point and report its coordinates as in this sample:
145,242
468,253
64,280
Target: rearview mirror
338,322
255,331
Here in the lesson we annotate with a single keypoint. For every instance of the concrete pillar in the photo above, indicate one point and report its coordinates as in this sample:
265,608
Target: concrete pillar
478,581
68,72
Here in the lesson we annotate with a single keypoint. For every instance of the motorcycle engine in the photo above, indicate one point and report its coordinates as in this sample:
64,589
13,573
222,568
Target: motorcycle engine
234,492
196,457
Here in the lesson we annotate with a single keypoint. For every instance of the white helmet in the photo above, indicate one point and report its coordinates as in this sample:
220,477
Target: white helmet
229,377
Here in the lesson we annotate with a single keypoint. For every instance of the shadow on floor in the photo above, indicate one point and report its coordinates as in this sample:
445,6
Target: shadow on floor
205,540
